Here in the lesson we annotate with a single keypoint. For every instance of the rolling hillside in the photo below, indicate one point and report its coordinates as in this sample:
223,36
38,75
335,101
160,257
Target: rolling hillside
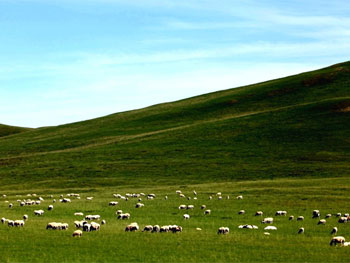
6,130
291,127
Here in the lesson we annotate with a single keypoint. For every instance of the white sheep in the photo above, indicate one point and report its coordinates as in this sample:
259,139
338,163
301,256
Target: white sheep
301,230
259,213
270,228
241,212
321,222
300,218
267,220
337,240
38,212
207,212
223,230
334,231
77,233
186,216
50,207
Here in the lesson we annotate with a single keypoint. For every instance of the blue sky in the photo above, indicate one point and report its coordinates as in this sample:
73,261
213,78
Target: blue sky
71,60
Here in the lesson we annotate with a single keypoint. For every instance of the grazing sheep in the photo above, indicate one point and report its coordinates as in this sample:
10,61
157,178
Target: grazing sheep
342,219
338,215
25,217
346,214
132,227
207,212
94,226
240,197
164,229
79,224
291,218
267,220
259,213
199,229
210,197
65,200
166,197
301,230
248,226
219,197
194,192
328,216
218,193
189,198
316,214
10,223
79,214
182,195
138,205
124,216
92,217
186,216
3,220
203,206
223,230
119,212
241,212
87,227
52,225
182,207
178,191
337,240
267,233
156,228
321,222
89,198
10,205
334,231
50,207
113,203
103,222
19,223
346,244
77,233
190,207
38,212
22,203
148,228
300,218
281,213
175,229
270,228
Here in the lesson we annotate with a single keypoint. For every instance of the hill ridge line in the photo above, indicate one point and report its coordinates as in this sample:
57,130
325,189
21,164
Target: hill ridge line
124,138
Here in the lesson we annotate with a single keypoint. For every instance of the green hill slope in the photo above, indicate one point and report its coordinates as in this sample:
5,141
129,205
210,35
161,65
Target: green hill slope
6,130
295,126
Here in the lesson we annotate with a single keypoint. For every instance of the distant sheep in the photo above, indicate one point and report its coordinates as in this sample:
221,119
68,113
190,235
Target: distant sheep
50,207
223,230
337,240
241,212
186,216
270,228
301,230
124,216
267,220
334,231
132,227
321,222
259,213
77,233
38,212
113,203
281,213
207,212
300,218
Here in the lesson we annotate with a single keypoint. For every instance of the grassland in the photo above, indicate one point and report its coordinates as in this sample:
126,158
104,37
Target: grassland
298,196
284,144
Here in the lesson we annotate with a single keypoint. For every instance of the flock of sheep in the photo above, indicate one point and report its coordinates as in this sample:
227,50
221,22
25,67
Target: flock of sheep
88,224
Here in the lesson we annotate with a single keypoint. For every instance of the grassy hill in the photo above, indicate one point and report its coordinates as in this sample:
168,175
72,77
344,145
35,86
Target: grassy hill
291,127
6,130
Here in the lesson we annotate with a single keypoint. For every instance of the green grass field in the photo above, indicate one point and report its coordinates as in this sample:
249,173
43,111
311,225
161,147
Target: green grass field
283,144
33,243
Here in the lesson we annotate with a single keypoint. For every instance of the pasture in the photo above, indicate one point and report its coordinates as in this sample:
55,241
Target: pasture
33,243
